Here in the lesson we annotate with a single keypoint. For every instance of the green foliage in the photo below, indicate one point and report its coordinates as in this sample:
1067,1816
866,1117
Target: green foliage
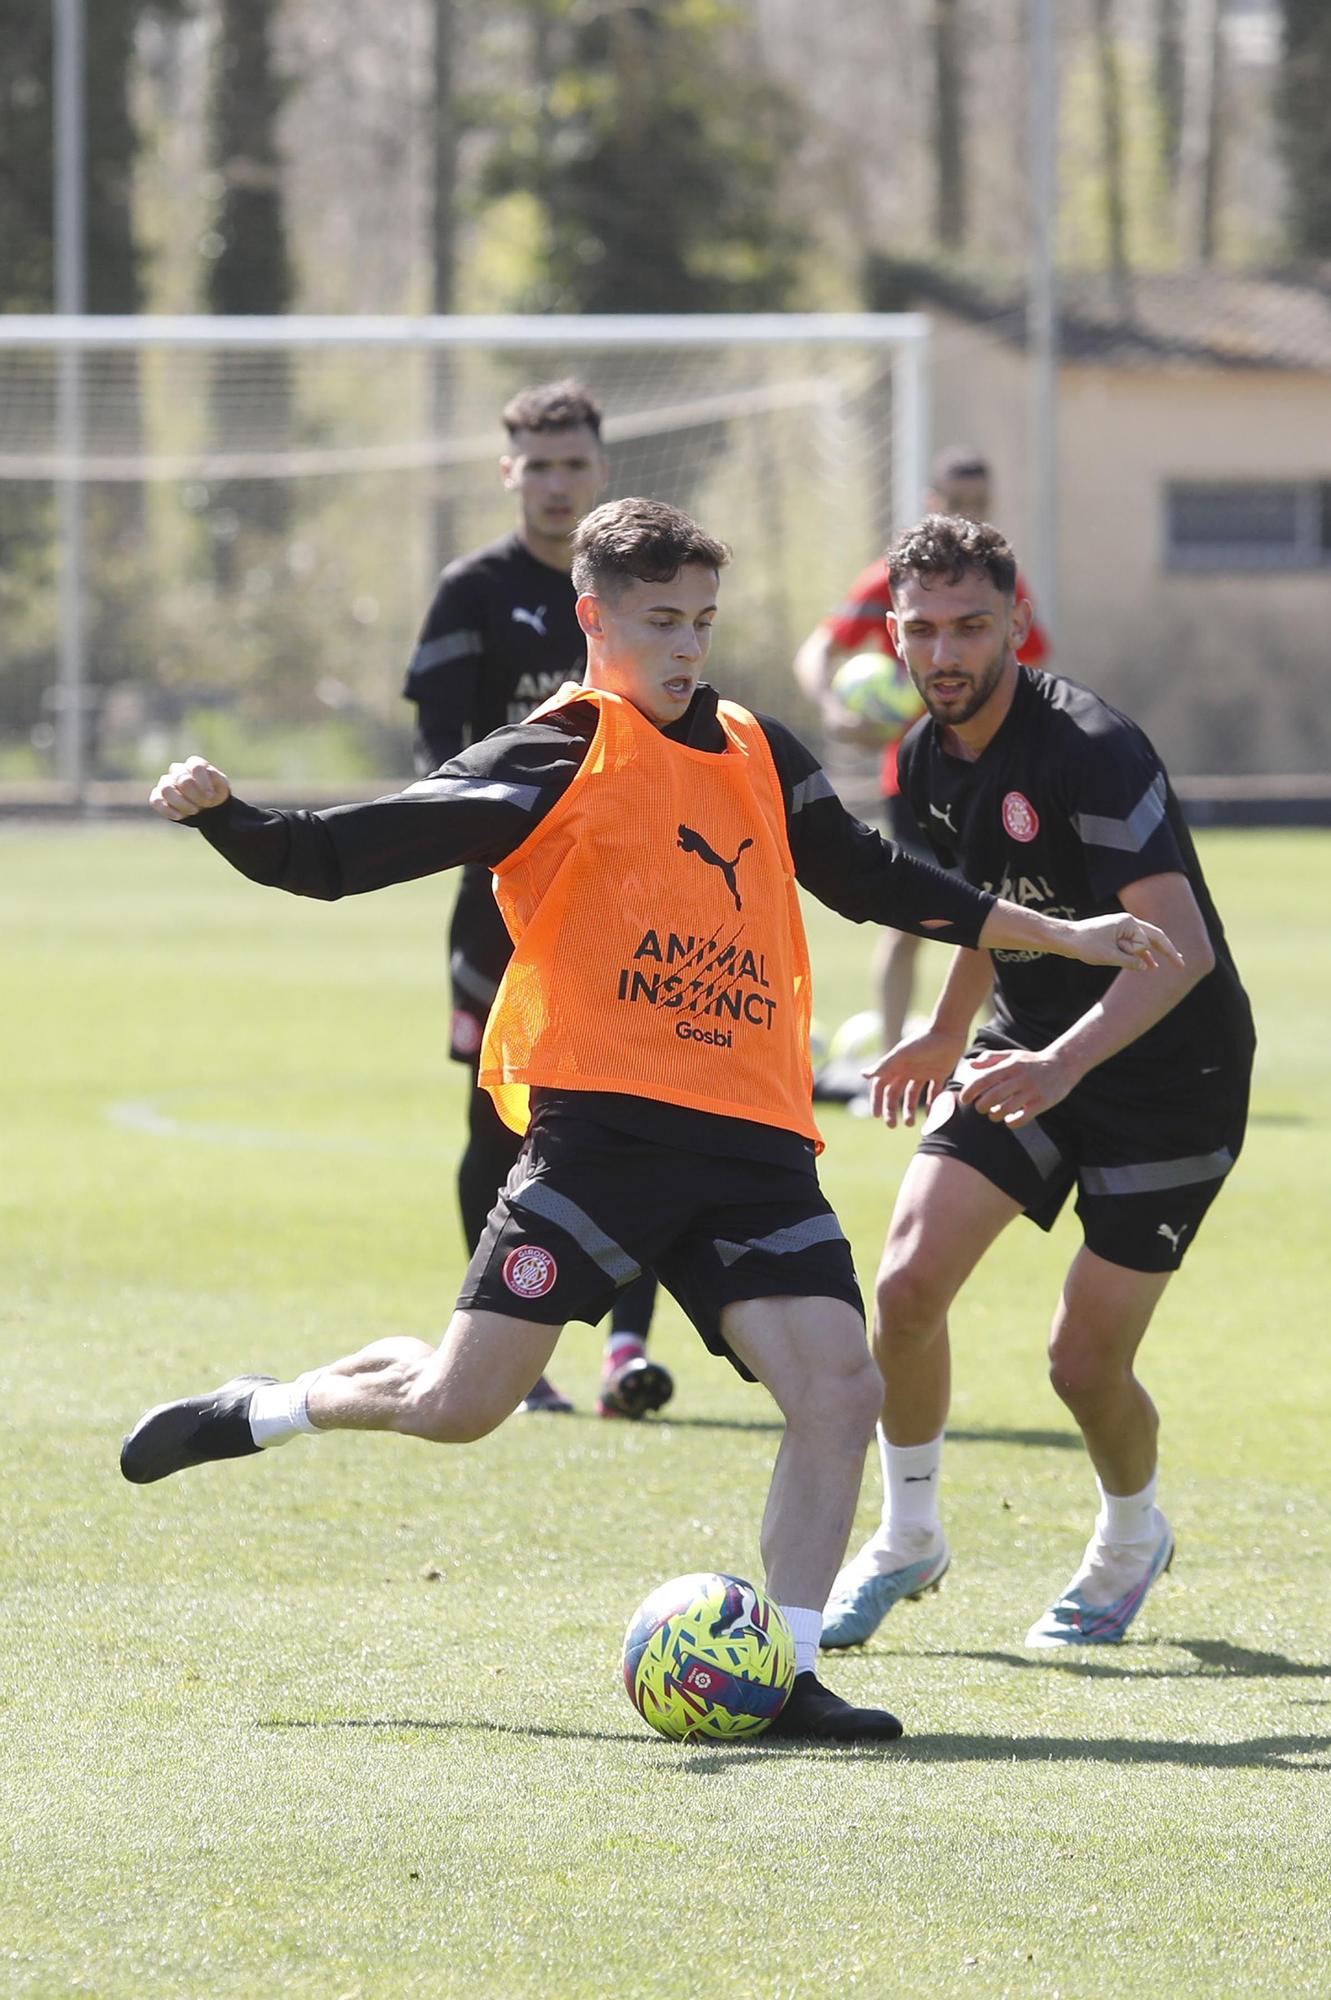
345,1720
1083,211
657,158
1305,126
27,162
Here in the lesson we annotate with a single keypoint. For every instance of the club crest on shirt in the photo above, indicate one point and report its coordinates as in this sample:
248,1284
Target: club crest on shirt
1020,818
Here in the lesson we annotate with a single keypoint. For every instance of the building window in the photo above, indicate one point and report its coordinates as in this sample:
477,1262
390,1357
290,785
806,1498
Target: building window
1248,524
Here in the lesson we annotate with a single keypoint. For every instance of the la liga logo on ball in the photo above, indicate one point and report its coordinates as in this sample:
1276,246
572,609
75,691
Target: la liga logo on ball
530,1271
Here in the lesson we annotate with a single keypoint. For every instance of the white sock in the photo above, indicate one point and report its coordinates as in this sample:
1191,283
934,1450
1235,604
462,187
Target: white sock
280,1411
622,1347
911,1476
807,1627
1126,1517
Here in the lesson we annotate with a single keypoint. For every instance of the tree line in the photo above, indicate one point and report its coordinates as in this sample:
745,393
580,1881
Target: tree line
657,155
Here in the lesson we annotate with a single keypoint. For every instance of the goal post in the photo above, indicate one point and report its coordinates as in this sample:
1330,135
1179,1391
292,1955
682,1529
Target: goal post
231,527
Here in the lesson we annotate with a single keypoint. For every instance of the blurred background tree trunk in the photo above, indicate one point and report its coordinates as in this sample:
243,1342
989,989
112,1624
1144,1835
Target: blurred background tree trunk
1304,100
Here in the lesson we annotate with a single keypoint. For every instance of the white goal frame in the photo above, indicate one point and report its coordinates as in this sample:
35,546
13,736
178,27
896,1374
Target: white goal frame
72,336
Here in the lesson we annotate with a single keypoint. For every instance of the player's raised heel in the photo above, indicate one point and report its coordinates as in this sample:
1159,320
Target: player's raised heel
1122,1577
634,1390
862,1597
191,1432
813,1714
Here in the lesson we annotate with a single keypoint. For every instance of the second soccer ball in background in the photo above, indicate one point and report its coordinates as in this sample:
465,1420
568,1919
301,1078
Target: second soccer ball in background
876,688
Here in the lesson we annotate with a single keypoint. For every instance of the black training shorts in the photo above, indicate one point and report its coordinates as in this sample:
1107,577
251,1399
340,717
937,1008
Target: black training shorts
586,1208
1146,1164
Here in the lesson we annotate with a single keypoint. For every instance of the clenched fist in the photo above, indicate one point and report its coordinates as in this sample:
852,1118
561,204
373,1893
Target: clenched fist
189,788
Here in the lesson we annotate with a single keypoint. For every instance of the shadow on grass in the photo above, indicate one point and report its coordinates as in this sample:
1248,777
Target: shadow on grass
697,1760
1216,1659
1254,1753
698,1757
394,1722
1035,1440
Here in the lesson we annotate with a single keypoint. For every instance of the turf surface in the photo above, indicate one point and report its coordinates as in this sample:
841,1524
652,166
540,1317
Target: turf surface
345,1720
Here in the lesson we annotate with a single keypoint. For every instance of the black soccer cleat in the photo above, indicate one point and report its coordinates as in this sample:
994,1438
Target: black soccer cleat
635,1389
813,1714
192,1431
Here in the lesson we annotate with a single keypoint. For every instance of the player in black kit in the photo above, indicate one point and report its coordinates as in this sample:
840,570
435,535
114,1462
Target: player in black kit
500,637
1040,792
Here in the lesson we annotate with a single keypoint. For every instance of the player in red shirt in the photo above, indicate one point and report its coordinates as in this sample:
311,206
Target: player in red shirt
961,485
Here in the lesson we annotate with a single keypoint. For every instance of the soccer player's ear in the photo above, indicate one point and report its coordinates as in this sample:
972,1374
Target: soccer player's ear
588,608
508,472
1020,629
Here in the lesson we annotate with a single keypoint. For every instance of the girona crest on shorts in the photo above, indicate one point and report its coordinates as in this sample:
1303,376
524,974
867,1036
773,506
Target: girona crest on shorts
530,1271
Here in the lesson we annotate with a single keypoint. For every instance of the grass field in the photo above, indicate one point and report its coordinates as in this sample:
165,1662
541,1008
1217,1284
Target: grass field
345,1721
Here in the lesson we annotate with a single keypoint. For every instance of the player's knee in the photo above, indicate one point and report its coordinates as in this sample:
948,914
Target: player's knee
842,1404
440,1415
1081,1369
910,1304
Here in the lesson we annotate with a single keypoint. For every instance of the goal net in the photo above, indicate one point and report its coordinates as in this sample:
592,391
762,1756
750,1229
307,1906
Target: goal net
223,534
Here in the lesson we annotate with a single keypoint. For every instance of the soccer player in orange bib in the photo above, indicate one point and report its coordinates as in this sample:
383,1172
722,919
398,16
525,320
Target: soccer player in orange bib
650,1039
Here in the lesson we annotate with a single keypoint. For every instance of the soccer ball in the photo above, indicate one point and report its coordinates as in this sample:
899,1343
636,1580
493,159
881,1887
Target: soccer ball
708,1655
876,688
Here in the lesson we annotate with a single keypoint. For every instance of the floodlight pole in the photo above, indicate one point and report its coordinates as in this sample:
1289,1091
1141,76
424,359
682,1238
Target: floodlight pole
70,297
1042,309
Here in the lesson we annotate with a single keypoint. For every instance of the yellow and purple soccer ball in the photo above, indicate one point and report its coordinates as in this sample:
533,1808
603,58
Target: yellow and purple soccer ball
708,1655
876,688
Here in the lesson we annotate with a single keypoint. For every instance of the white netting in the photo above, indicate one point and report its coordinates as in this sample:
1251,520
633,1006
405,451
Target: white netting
263,520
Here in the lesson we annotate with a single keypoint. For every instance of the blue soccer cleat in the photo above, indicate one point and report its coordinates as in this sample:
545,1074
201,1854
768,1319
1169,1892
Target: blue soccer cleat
862,1596
1106,1594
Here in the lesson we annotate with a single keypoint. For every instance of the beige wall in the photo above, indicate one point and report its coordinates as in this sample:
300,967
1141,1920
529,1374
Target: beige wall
1227,673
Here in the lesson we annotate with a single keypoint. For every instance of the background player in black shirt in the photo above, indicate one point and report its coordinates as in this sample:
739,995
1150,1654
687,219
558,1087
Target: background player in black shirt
500,637
1133,1092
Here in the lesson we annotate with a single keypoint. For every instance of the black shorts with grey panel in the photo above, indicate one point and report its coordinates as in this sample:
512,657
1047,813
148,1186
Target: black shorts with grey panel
1146,1167
586,1208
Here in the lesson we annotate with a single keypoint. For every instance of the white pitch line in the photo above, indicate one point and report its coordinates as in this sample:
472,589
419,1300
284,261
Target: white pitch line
146,1117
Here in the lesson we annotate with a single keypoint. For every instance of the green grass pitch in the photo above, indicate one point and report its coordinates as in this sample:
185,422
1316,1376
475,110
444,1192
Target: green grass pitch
346,1721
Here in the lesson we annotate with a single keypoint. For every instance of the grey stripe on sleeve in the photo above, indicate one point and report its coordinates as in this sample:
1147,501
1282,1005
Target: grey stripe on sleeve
475,791
785,1242
537,1197
441,652
1130,834
1154,1176
816,786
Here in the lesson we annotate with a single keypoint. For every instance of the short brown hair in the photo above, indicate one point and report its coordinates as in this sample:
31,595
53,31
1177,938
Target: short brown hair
646,540
943,547
553,406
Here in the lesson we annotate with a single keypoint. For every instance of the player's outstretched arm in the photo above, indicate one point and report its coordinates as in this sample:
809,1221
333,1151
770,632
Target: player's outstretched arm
189,788
1124,941
904,1082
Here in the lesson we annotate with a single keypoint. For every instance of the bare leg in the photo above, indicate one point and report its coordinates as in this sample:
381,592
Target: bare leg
946,1217
811,1355
1101,1319
452,1394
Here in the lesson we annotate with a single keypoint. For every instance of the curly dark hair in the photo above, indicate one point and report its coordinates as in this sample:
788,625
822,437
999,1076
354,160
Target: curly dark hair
643,539
943,547
553,406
